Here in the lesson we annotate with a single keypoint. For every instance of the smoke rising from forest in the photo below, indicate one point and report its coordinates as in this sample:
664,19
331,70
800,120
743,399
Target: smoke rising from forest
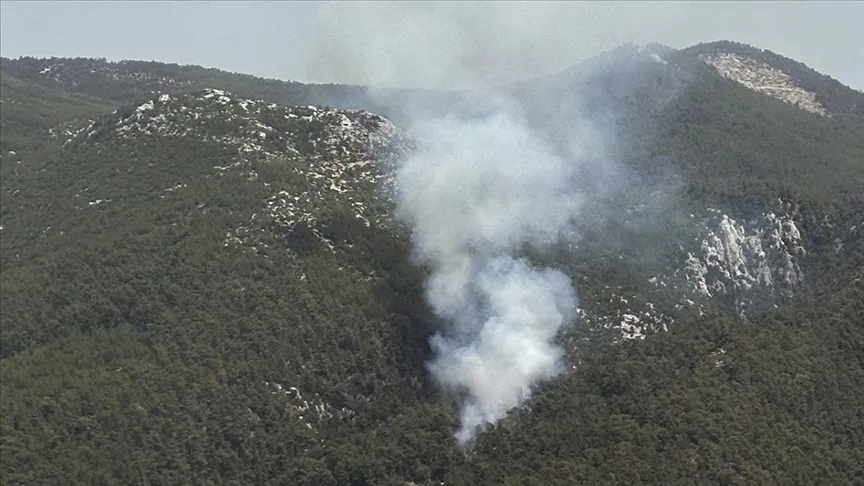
478,191
474,194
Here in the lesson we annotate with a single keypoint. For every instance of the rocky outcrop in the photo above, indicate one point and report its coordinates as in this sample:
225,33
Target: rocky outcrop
740,260
765,79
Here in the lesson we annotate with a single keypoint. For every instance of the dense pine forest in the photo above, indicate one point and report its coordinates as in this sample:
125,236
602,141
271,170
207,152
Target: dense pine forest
187,302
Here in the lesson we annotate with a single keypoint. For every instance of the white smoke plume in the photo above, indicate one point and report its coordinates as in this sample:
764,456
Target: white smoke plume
478,191
446,44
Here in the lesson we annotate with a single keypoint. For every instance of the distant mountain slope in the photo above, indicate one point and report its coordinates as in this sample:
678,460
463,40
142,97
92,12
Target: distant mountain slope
133,81
129,81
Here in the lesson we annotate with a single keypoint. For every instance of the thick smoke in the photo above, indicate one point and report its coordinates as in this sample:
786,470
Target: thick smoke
480,190
476,193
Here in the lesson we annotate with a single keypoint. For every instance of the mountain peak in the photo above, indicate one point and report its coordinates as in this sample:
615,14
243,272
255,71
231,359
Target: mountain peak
763,78
779,77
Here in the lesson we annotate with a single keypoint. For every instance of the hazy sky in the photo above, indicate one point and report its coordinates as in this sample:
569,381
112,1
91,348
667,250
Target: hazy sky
417,43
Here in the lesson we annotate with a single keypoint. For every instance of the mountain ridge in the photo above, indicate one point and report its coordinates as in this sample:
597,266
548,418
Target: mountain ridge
732,239
161,77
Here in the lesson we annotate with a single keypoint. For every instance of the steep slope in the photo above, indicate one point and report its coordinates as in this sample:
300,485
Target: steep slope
756,193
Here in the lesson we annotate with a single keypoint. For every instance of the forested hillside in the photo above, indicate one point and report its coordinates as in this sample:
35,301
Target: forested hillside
202,282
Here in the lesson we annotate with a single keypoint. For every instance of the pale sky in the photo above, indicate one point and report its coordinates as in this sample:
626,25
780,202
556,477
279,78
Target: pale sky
420,43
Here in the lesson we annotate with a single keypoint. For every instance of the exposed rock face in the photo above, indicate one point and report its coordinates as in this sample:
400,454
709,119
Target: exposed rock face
312,412
631,320
257,128
743,265
741,259
764,79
